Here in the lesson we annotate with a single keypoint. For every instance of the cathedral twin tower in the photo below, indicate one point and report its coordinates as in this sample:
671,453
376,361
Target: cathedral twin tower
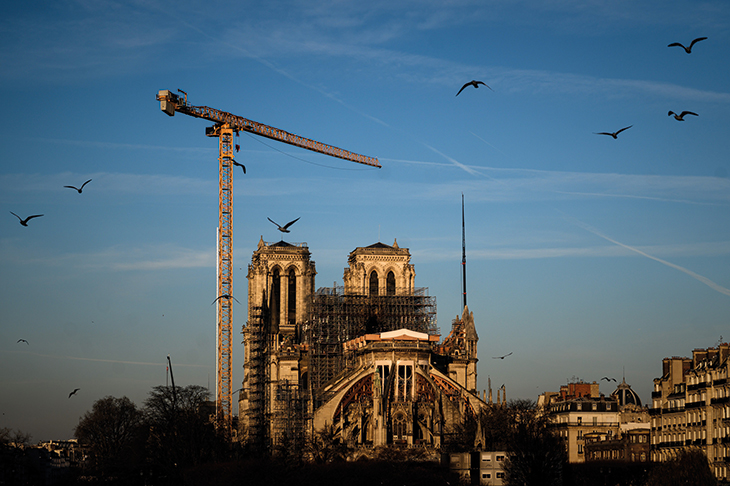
364,358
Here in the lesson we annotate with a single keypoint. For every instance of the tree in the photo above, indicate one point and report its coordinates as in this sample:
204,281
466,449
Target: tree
112,432
535,455
326,446
181,432
17,438
689,466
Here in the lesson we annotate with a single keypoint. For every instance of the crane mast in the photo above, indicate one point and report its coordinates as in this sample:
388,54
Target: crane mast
226,126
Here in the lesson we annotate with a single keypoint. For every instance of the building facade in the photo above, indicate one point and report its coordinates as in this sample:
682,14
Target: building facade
364,358
691,407
591,423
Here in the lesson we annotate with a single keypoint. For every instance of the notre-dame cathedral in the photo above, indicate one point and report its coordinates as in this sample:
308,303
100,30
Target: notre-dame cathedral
365,358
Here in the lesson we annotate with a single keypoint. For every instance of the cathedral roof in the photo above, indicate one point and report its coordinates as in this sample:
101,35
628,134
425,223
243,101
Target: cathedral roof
380,248
379,245
281,243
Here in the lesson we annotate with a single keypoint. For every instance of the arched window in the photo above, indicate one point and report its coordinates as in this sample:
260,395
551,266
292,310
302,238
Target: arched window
292,298
390,284
399,426
275,298
374,283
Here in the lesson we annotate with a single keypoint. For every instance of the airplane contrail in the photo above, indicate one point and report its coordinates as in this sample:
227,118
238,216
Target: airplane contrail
453,161
704,280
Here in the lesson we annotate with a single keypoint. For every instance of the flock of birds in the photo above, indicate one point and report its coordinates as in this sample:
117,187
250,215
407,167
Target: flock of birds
24,222
678,117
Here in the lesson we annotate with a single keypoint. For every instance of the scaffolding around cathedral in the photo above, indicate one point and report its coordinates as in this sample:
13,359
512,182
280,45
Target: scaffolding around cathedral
257,376
289,416
338,317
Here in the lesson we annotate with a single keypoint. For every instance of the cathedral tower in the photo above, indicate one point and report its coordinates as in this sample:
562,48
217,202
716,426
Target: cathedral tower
380,269
280,289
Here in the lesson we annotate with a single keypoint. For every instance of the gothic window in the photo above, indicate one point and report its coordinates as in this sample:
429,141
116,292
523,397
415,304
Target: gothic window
374,283
275,297
390,284
405,382
399,426
292,298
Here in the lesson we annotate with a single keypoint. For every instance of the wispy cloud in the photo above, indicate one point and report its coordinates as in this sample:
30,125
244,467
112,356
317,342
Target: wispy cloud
511,184
110,183
116,258
504,252
130,146
100,360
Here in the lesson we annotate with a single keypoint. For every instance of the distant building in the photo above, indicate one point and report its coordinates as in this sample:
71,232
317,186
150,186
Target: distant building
364,358
631,446
583,417
691,407
478,467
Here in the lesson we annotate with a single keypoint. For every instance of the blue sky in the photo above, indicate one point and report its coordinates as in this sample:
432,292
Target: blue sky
587,256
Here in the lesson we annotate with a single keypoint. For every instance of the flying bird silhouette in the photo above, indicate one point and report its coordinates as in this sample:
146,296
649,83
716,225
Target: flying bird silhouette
284,229
73,392
608,379
23,341
614,134
24,222
79,189
224,296
474,83
501,357
687,49
240,165
680,117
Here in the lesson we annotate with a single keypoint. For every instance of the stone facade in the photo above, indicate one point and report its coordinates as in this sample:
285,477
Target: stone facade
588,421
365,360
691,407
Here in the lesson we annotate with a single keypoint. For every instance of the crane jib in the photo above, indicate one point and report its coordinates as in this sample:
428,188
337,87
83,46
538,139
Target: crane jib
240,123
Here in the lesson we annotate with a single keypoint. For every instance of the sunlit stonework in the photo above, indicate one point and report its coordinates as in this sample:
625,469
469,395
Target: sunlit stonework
364,358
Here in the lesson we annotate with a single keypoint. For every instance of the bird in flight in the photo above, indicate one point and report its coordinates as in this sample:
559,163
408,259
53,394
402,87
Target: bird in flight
73,392
680,117
284,229
474,83
614,134
224,296
24,222
23,341
608,379
240,165
501,357
687,49
79,189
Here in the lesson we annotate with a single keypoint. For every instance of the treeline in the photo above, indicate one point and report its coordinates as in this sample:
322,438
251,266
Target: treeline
171,440
153,444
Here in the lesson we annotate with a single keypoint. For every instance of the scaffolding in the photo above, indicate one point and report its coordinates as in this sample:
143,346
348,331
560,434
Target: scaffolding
338,317
279,411
257,376
288,416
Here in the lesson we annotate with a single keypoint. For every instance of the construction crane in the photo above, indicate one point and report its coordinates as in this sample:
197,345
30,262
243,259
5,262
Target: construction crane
226,126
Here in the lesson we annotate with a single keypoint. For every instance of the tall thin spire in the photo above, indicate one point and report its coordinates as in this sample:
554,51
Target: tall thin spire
463,250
